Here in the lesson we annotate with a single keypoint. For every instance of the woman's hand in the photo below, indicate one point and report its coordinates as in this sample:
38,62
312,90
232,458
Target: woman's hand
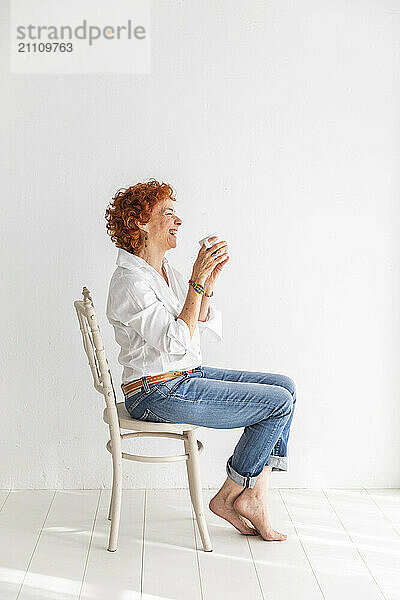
211,279
209,263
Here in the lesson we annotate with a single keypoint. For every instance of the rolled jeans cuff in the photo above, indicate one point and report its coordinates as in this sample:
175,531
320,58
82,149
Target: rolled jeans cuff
278,463
243,480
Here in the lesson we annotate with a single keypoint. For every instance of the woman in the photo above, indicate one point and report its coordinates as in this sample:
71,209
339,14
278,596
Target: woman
156,317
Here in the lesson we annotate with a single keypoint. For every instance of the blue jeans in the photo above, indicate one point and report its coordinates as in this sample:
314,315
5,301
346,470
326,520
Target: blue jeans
262,403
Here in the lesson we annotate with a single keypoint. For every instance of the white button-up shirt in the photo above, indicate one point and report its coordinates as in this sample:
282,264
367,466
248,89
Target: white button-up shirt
143,310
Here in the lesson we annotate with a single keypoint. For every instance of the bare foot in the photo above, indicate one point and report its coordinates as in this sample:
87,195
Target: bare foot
253,509
226,510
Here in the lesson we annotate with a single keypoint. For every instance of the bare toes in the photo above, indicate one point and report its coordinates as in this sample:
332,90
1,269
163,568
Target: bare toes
259,519
274,536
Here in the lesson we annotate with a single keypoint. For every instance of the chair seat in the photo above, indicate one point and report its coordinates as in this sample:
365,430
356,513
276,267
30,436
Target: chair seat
127,422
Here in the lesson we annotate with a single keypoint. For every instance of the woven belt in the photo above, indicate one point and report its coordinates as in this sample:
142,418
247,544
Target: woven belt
138,383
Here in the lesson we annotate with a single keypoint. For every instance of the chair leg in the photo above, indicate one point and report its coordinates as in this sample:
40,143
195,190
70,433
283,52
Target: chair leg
194,478
111,498
115,503
111,502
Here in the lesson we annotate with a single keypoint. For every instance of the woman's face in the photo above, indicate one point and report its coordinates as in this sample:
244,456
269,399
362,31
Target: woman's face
163,225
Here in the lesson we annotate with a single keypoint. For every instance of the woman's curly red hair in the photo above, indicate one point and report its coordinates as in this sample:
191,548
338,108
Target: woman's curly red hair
130,205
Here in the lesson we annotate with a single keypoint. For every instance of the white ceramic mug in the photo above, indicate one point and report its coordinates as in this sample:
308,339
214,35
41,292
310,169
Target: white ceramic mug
206,242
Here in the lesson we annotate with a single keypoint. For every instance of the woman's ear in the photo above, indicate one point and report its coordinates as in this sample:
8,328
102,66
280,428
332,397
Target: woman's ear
143,227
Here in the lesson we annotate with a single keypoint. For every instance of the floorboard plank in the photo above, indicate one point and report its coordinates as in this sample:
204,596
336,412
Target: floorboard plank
116,575
283,567
373,535
339,568
57,565
4,494
21,521
170,560
388,501
228,571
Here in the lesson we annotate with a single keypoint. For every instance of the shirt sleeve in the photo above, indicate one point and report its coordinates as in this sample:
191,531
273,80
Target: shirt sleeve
213,323
136,305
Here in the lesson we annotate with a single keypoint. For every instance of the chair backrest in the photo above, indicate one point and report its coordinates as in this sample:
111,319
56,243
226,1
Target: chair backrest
94,348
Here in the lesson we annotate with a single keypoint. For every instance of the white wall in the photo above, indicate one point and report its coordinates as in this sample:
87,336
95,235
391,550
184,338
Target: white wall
278,125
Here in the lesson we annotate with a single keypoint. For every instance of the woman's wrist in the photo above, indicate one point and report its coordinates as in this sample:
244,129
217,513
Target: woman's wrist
200,289
198,279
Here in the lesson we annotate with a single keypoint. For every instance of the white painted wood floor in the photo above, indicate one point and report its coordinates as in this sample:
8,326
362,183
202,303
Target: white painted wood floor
342,544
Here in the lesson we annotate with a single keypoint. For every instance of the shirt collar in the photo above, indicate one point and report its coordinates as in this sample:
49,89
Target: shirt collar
132,261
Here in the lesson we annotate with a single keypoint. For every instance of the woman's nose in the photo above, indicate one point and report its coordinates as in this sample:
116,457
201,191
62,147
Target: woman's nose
178,221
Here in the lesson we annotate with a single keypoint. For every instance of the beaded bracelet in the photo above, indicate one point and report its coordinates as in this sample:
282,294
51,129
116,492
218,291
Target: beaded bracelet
199,288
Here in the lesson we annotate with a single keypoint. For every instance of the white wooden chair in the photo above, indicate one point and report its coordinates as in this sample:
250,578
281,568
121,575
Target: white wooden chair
117,418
